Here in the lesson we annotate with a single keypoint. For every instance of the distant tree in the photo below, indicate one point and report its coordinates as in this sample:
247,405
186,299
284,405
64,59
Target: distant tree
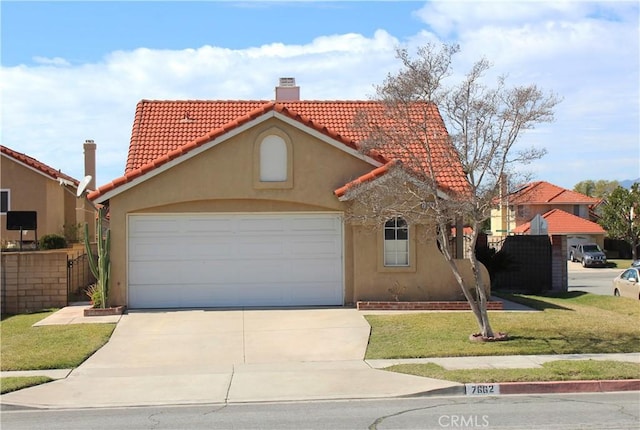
598,189
620,215
484,124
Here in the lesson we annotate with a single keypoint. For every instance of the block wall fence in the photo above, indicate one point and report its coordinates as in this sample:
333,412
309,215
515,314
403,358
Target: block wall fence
35,280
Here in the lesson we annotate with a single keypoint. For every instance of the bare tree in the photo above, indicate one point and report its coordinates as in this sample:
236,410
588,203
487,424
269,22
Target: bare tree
484,124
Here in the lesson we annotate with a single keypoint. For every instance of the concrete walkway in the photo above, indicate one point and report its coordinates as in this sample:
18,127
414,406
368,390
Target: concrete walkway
227,356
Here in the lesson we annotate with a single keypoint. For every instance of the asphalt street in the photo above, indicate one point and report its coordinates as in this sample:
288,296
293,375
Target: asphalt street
591,280
566,411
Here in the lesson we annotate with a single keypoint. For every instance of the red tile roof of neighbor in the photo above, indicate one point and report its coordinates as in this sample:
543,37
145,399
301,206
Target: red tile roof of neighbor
165,130
37,165
561,222
543,192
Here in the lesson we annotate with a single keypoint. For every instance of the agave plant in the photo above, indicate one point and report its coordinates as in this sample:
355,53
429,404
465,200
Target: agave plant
101,266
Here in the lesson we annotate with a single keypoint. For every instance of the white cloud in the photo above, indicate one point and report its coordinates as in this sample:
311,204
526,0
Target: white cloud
585,52
56,61
48,112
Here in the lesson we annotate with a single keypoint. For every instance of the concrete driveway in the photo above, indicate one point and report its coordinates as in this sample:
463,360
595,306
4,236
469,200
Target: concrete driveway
222,356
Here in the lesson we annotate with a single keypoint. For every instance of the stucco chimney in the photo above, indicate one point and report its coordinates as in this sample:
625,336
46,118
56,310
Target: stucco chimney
287,90
90,162
84,212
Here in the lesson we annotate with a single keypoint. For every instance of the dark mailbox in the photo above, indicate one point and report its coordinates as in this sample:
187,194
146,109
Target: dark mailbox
22,220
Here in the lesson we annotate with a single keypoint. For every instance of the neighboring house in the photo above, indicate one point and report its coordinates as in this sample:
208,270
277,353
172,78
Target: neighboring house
30,185
566,213
242,203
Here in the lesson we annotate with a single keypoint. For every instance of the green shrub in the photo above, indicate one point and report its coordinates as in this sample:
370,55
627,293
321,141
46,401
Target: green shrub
52,241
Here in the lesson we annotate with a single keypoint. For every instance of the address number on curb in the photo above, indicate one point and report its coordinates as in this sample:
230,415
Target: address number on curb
482,389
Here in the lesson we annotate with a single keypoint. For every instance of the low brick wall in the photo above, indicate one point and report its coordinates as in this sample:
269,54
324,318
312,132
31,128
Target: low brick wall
423,306
32,281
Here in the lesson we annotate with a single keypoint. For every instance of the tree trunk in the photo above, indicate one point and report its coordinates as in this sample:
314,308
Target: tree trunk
478,305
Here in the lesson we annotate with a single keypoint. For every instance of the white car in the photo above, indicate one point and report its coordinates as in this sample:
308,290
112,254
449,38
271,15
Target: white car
627,284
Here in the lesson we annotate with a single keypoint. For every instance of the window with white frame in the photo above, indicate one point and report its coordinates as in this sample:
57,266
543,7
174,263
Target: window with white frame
396,242
4,201
273,159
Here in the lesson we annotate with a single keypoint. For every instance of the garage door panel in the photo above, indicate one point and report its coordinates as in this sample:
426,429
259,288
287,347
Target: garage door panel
211,226
309,245
260,225
194,295
171,250
213,260
153,225
316,224
319,271
254,248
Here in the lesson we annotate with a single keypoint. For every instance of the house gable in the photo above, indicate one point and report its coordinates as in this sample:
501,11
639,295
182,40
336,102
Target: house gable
34,186
561,222
225,133
165,132
36,166
543,193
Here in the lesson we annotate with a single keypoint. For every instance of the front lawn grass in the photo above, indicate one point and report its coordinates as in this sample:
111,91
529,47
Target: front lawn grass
50,347
14,383
571,323
561,370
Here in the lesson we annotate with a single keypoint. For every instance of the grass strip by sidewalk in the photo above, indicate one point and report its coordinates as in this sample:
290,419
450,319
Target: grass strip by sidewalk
560,370
15,383
49,347
572,323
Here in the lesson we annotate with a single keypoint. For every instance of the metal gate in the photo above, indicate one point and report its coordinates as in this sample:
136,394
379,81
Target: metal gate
79,277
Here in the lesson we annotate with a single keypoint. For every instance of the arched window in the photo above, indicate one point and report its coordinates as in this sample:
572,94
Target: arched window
273,159
396,242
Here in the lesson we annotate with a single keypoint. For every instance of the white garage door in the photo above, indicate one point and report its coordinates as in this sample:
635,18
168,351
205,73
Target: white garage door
222,260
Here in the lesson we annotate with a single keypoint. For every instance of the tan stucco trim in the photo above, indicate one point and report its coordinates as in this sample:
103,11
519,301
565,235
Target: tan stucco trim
257,183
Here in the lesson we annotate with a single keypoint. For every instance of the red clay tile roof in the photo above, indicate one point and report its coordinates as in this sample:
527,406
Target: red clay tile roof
543,192
164,130
375,173
37,165
561,222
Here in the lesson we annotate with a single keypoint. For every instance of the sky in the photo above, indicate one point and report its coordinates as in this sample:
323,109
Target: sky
72,71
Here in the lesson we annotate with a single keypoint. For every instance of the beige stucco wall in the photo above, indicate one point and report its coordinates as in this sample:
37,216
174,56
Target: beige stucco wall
428,277
223,179
33,191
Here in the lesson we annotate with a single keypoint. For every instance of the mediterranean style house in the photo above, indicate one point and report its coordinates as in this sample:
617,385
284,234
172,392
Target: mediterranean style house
242,203
28,185
565,212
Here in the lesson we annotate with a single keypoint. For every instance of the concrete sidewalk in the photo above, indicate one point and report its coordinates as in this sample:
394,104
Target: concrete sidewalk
503,361
448,363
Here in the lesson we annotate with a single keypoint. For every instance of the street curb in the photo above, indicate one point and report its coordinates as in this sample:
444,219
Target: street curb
543,387
549,387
